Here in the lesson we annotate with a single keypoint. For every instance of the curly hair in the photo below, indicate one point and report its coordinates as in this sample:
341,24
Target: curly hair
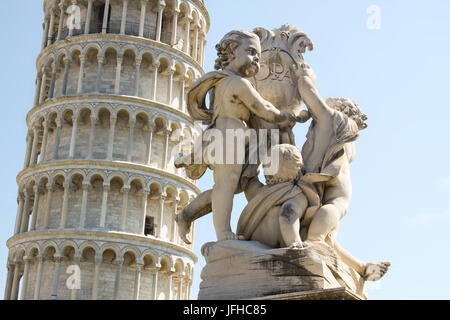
290,163
227,45
350,108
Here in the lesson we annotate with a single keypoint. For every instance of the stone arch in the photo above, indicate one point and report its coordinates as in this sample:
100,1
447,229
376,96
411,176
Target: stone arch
109,246
166,262
89,244
69,244
50,244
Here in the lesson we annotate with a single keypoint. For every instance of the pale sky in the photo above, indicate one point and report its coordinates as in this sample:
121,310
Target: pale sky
399,76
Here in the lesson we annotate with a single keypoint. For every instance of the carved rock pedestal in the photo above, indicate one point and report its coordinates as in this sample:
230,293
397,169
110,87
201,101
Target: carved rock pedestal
250,270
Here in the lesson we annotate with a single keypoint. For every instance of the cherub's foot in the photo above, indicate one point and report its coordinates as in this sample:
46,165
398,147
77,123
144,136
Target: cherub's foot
375,271
296,246
227,235
184,227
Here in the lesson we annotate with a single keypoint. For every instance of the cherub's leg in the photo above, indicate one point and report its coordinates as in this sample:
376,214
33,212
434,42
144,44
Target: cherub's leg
226,179
325,220
290,214
199,207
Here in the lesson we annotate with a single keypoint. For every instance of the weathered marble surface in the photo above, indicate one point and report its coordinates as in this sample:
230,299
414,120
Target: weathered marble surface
248,269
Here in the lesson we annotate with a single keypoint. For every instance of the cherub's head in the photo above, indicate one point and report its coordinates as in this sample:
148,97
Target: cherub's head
350,108
239,52
290,164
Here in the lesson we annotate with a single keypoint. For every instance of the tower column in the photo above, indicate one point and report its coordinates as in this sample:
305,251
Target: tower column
34,150
123,220
170,89
51,27
73,138
130,140
19,213
9,281
105,17
58,260
174,41
29,141
119,263
44,141
195,46
182,93
161,6
80,75
37,285
15,283
104,204
25,217
162,198
148,151
180,286
124,17
43,85
51,91
38,88
100,60
23,291
48,205
165,148
112,127
35,207
87,25
142,19
174,224
187,45
86,186
118,73
91,137
170,289
137,281
144,212
61,20
98,262
66,75
155,283
65,205
155,80
57,136
137,77
45,34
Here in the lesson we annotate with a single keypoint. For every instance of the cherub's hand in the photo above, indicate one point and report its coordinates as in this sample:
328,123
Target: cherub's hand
304,116
303,72
288,120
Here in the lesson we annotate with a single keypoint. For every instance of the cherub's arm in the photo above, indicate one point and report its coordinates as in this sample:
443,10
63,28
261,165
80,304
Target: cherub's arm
309,94
258,105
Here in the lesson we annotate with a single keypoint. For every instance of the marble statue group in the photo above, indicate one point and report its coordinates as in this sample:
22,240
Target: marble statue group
260,84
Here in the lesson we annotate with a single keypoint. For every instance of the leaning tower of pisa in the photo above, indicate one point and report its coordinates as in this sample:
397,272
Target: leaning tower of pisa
98,192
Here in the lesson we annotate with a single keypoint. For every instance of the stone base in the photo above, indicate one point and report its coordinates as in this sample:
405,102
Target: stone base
326,294
250,270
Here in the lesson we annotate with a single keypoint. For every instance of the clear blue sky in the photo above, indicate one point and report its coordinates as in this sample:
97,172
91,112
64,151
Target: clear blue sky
399,76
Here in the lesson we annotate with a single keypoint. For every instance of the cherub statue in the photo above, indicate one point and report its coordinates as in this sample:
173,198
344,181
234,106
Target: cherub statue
329,150
233,102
